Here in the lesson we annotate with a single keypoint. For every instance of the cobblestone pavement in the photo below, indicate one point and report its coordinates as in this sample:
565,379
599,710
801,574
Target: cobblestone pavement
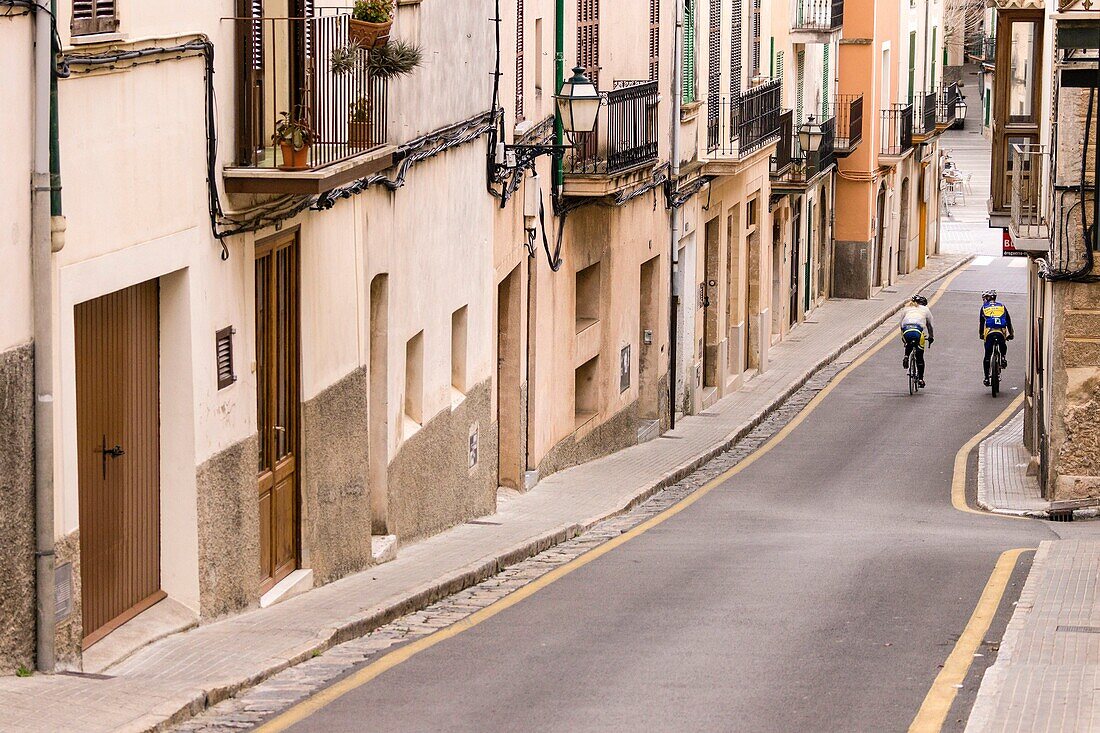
181,675
297,683
1047,673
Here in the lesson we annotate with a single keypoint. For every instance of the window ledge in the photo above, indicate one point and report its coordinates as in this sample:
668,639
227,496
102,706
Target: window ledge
95,38
690,111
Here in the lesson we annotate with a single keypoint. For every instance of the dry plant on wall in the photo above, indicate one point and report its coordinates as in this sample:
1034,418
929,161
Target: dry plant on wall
962,20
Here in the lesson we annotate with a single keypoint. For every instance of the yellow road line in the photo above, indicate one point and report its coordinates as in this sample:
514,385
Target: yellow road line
303,710
958,478
937,703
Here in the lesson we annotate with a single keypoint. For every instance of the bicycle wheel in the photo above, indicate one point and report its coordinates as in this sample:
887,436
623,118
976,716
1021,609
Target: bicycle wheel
995,376
913,382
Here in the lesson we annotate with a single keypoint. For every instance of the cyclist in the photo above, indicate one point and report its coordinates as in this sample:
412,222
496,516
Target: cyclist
916,333
994,329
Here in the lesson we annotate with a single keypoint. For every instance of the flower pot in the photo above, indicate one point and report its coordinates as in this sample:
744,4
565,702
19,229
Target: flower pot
369,35
359,135
293,160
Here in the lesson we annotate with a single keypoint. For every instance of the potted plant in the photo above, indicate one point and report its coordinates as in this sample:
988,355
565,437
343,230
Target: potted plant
370,22
387,61
359,124
294,137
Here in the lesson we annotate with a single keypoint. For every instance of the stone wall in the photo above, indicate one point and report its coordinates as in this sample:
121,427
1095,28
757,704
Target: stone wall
851,270
335,505
69,632
17,594
431,486
229,530
1075,393
614,434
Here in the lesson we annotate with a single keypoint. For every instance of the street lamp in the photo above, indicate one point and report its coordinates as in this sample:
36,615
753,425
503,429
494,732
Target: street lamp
960,113
810,135
578,103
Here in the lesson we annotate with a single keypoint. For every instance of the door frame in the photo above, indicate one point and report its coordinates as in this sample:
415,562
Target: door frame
268,247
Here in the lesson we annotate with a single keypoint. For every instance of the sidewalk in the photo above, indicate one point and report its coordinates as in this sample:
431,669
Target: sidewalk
1004,487
179,676
1047,673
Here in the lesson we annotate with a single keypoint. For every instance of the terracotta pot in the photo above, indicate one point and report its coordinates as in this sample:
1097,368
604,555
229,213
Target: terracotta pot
294,160
369,35
359,135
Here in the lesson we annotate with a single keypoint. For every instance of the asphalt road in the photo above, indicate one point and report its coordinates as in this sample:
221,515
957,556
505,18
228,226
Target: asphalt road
817,590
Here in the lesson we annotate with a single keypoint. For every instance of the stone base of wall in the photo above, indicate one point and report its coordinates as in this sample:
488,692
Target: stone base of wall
335,504
229,531
1068,488
614,434
852,270
17,591
431,485
69,633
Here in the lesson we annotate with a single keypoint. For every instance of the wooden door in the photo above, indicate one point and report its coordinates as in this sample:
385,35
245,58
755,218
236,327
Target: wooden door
118,456
277,402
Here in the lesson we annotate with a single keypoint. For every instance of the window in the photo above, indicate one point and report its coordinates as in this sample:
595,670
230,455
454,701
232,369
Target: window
588,296
688,61
588,38
1021,76
414,383
94,16
912,64
458,352
756,38
825,82
538,57
586,391
714,56
735,52
932,86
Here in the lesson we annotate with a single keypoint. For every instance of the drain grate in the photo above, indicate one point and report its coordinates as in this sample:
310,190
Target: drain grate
87,675
1080,629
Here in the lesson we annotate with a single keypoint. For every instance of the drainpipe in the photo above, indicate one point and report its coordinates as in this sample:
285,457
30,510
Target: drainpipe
559,79
675,225
43,201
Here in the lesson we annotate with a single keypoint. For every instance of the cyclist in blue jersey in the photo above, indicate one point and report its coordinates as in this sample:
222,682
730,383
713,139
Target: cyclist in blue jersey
994,329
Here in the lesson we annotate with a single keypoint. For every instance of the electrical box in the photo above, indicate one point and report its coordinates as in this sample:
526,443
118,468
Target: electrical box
532,195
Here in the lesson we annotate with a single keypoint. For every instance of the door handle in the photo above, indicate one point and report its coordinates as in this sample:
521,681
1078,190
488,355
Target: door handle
278,428
115,452
112,452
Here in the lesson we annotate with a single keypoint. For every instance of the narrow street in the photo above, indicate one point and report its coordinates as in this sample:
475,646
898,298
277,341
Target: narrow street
819,589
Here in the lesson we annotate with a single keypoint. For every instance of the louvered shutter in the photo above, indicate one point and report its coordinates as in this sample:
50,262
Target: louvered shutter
932,86
825,83
588,38
714,60
250,80
688,82
654,39
800,79
519,60
756,37
94,16
735,55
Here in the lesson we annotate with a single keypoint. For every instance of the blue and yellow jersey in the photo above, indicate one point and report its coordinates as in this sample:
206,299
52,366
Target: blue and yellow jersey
994,318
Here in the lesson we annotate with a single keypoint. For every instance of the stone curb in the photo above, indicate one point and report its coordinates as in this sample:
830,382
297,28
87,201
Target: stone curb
475,573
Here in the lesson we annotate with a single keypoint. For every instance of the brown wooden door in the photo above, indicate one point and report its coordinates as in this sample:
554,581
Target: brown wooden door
118,445
277,406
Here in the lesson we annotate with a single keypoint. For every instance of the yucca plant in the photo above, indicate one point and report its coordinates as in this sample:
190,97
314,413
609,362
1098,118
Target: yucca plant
390,60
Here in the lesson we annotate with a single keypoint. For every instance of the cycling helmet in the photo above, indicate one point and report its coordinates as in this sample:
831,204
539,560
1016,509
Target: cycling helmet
989,295
919,300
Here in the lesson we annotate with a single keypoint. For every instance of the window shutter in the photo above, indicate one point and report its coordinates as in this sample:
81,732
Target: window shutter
756,37
825,83
800,80
93,16
689,52
714,60
932,86
654,39
519,60
735,54
588,38
224,349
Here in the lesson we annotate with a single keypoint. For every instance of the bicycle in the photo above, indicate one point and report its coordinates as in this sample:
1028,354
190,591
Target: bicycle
995,374
914,379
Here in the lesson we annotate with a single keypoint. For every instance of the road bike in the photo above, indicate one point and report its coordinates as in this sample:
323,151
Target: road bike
914,379
995,372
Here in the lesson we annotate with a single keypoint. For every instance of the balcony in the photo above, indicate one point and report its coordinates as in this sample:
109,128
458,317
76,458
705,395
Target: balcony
897,133
285,66
946,111
793,169
741,126
849,123
1028,222
924,116
815,21
623,145
982,48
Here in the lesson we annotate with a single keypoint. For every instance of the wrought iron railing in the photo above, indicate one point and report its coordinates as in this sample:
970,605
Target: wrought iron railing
286,66
924,113
849,122
818,15
982,48
784,156
897,129
1030,182
948,102
745,123
626,132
